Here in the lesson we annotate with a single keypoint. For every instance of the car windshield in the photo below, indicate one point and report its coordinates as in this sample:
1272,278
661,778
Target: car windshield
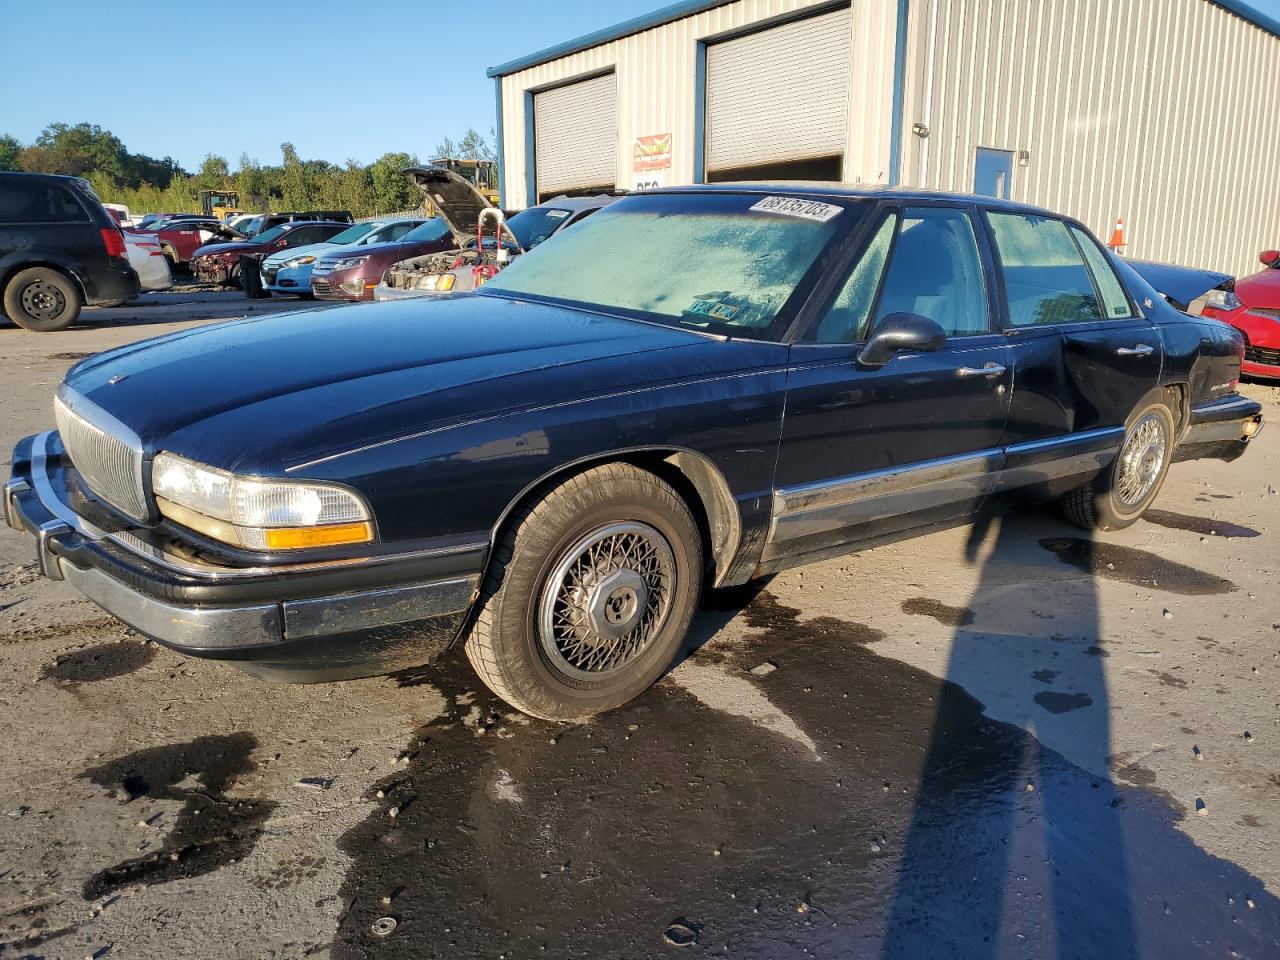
352,234
433,229
722,262
268,235
534,225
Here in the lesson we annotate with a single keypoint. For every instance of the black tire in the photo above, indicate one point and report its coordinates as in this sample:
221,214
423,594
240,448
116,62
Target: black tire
1103,503
526,665
42,300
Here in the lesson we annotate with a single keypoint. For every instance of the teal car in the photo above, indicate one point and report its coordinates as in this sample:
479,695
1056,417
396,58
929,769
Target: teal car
289,271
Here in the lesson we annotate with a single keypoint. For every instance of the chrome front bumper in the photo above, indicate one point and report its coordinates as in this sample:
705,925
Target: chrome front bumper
299,623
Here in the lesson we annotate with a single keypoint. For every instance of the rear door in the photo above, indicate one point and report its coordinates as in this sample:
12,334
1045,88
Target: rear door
870,451
1083,354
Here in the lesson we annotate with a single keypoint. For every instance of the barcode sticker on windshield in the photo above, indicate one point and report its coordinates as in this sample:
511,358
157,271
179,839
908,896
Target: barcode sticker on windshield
792,207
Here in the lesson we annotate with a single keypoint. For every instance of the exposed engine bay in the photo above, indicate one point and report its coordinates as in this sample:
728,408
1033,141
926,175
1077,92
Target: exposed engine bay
460,270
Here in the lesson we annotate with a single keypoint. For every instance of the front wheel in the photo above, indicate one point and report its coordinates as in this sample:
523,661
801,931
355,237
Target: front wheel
42,300
1119,495
589,596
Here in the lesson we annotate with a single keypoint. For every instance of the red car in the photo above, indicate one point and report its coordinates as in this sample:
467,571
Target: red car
179,239
1253,308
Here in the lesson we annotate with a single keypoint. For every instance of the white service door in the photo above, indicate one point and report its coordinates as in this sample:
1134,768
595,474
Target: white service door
780,94
575,130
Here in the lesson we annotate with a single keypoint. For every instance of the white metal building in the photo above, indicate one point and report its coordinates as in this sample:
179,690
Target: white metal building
1159,112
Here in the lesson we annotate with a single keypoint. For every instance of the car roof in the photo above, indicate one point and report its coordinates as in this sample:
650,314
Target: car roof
581,203
294,224
860,191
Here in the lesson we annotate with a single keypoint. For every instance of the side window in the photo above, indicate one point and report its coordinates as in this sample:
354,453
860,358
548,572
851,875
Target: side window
935,271
848,319
39,203
1114,301
1045,277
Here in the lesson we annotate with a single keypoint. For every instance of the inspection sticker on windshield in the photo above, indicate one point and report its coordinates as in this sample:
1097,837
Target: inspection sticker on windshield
791,207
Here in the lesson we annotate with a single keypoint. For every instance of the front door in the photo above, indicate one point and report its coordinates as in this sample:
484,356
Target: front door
993,173
870,451
1083,355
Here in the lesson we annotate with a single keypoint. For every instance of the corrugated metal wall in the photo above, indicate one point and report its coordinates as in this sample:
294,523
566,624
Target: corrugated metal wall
1156,111
656,88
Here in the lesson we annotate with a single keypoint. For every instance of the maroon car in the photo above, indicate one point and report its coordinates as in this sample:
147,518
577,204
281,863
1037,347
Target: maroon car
220,262
352,275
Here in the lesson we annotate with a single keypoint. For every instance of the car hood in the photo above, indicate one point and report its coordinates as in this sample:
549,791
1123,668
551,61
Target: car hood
314,249
1261,289
1180,285
264,393
242,246
456,201
387,248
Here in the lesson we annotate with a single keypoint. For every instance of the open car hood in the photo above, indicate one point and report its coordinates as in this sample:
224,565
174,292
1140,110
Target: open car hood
1180,285
457,202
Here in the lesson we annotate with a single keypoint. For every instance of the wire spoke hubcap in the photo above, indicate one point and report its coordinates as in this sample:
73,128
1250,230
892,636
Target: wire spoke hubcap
1141,460
606,599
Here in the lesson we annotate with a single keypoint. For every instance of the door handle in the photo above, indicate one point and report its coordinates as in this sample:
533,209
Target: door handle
1141,350
987,370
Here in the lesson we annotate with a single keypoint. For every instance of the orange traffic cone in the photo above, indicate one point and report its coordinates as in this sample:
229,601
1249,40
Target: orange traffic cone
1117,236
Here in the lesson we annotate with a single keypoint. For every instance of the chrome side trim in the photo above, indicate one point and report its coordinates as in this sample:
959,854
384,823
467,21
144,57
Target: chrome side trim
1039,461
816,508
377,608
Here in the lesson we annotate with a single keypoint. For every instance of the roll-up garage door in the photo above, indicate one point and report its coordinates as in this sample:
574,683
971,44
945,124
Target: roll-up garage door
576,136
778,99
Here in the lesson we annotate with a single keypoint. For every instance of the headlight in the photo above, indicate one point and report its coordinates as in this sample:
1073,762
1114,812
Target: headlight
300,261
258,514
439,282
346,263
1224,300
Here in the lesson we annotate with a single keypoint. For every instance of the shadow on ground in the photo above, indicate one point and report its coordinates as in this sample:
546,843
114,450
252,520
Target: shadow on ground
895,819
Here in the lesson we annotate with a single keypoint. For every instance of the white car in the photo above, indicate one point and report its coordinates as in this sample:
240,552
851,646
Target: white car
146,255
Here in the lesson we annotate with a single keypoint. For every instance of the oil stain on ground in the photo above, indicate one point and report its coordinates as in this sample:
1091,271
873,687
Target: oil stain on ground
210,830
945,615
100,662
1200,525
522,838
1141,568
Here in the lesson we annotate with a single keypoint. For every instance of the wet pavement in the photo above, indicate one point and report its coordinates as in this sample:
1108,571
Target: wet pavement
1004,741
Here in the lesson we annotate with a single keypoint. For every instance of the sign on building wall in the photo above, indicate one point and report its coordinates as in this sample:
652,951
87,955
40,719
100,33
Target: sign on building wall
650,161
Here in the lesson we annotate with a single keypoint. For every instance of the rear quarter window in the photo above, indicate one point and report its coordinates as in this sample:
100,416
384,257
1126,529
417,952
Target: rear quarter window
39,203
1045,277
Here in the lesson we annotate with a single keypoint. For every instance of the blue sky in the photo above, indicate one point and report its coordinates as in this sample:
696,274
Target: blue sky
337,78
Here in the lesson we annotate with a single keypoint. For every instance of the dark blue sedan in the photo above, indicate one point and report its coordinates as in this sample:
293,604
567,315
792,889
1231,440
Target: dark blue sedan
693,386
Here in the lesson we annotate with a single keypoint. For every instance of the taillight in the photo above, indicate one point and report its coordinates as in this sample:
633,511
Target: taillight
113,240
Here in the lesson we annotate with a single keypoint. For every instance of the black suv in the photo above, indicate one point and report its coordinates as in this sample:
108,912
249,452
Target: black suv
265,221
59,249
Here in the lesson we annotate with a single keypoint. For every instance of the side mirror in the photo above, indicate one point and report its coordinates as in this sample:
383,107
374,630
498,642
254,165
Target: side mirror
900,332
1269,257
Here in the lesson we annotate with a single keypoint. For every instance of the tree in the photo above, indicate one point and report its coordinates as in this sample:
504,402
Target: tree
76,151
10,147
214,173
296,187
392,191
252,184
475,146
445,148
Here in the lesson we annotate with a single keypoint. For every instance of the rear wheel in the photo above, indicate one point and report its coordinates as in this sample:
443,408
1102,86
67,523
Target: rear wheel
1119,495
42,300
590,594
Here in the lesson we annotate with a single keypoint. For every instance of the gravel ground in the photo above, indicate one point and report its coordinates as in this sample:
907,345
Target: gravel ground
1005,741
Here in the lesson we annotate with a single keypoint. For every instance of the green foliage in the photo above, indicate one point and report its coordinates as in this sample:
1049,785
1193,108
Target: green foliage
10,147
147,185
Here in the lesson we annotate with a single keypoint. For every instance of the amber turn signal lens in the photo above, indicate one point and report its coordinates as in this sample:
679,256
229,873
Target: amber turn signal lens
334,534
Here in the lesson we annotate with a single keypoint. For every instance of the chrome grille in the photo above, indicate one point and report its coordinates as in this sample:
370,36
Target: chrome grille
107,455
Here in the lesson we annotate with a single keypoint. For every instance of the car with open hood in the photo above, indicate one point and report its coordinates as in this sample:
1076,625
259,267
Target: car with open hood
181,237
696,386
220,262
289,271
485,244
